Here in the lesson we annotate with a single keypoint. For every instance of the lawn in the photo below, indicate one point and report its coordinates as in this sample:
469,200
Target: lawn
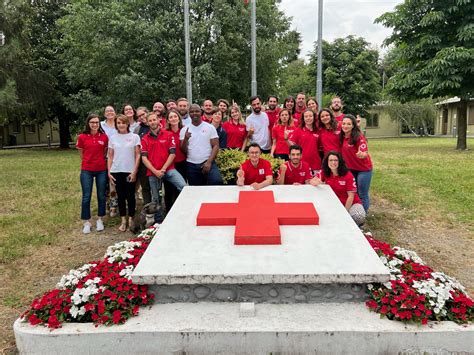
418,183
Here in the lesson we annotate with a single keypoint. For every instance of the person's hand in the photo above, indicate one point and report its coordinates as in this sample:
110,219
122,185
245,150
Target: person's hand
206,167
251,131
111,177
361,155
240,174
132,177
160,173
283,167
187,135
255,185
286,134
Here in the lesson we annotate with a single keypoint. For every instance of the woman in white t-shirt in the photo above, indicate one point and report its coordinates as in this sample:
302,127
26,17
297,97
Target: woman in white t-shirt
123,162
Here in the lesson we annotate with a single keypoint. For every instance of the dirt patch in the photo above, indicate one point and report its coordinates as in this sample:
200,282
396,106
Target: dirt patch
444,246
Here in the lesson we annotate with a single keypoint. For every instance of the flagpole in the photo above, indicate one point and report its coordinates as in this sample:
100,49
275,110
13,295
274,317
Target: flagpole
187,53
319,75
254,48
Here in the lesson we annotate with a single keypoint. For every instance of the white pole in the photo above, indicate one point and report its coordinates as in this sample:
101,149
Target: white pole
187,53
319,75
254,48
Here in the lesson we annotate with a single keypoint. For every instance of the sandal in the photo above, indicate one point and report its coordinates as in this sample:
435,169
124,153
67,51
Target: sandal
123,227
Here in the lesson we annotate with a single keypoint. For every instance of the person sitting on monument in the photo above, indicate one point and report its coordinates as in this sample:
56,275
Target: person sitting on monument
255,171
295,171
336,174
158,153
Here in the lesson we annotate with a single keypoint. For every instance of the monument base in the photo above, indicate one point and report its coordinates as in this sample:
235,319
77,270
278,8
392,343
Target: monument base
234,328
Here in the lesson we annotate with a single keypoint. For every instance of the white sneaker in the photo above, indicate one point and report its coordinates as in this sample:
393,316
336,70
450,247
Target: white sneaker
87,228
99,226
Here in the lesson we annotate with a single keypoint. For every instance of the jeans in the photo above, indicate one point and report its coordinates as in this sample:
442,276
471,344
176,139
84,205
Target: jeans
87,180
171,192
363,179
125,194
197,178
171,176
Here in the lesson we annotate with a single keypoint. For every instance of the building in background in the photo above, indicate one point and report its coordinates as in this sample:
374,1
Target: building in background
448,111
15,133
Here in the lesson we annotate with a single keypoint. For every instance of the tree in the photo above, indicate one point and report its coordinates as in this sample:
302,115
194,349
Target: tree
116,52
435,43
295,78
417,115
350,71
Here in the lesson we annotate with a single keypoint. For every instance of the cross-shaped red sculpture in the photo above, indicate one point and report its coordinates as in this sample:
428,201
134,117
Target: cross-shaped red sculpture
257,217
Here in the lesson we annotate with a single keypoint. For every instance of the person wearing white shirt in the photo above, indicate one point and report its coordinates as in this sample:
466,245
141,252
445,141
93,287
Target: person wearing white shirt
200,143
257,125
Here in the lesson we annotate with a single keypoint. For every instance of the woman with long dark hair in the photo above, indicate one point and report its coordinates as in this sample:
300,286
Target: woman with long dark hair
307,137
129,111
92,143
335,173
328,131
356,155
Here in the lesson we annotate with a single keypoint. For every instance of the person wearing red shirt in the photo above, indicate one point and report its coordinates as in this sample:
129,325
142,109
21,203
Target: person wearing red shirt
336,174
356,155
272,111
328,132
92,144
307,137
207,107
158,153
235,129
300,107
255,171
336,108
289,104
174,125
295,171
159,110
281,133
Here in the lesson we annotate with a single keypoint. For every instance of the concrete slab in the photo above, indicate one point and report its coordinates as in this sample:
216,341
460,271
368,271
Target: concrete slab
335,251
206,328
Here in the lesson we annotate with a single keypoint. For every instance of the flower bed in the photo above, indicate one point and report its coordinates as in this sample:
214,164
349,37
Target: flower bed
415,292
101,292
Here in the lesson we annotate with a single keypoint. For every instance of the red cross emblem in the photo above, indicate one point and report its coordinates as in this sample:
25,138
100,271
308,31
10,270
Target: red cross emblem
257,217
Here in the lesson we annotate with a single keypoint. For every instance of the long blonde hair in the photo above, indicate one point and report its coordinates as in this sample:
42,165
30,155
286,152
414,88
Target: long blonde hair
237,108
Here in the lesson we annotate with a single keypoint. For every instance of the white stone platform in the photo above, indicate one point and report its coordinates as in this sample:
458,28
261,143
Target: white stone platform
221,328
333,252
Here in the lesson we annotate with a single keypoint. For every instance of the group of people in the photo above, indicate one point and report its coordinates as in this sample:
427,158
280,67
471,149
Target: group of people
177,144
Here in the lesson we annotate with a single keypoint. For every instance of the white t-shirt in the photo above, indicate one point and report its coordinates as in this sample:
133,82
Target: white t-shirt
186,120
199,147
133,126
123,146
261,134
109,131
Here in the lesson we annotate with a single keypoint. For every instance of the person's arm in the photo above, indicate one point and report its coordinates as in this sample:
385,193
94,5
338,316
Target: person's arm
133,174
110,160
240,177
267,182
185,142
244,144
314,181
274,143
362,151
215,148
350,199
281,175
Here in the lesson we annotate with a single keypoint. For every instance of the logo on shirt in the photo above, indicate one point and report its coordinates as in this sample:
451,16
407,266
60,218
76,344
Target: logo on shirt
342,183
302,173
261,171
363,146
101,142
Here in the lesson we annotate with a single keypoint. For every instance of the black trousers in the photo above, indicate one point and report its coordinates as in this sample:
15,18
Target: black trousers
125,194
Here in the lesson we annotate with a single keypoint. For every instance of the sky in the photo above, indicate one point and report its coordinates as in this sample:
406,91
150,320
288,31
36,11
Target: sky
340,19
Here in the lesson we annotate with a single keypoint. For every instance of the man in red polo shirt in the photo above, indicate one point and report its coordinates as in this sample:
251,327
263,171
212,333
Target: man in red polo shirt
207,107
295,171
300,108
336,108
158,153
272,111
254,171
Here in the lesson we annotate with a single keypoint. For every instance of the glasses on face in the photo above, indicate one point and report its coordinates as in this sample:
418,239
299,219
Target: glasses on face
142,115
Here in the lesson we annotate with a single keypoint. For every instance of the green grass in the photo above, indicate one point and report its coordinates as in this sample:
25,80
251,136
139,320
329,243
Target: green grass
40,197
425,174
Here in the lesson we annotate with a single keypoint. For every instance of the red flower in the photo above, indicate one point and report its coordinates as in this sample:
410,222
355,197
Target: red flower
116,316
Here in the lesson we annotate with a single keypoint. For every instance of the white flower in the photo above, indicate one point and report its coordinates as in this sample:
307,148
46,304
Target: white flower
370,287
121,251
408,255
74,276
127,272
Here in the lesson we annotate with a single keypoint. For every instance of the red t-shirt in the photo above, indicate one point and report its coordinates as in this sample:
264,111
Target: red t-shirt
206,119
236,134
349,154
296,119
158,148
162,121
256,174
341,185
329,140
339,118
297,175
272,117
94,147
278,134
179,154
309,141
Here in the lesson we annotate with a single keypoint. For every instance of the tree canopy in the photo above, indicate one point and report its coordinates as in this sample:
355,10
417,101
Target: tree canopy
435,52
350,69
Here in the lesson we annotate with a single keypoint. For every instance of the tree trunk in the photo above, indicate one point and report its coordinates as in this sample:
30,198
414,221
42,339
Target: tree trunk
462,125
64,134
